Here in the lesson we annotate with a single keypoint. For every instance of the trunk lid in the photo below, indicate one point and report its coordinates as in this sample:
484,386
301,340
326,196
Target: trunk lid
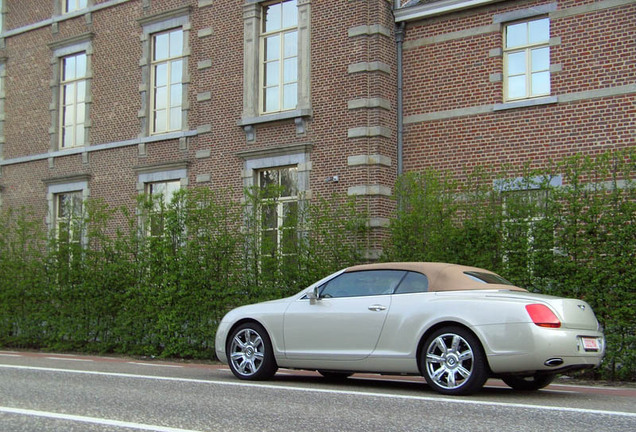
573,313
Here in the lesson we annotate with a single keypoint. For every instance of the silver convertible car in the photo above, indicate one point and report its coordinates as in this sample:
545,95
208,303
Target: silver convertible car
455,325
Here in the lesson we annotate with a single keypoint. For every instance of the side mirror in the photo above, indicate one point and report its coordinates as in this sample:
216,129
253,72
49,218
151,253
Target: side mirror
314,294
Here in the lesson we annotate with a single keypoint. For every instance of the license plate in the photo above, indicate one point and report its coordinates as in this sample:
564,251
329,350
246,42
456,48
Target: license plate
590,344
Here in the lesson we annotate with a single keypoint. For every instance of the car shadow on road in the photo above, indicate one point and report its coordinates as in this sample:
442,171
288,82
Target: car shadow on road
416,386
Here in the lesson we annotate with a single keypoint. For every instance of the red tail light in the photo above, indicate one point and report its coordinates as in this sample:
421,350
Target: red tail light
543,316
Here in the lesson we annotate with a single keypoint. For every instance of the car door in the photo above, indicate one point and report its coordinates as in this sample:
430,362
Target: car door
345,322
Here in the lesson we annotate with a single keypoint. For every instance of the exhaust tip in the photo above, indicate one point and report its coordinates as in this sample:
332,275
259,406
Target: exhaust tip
553,362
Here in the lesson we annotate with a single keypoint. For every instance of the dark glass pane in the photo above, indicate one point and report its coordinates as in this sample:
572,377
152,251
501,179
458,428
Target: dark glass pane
413,283
488,278
363,283
289,181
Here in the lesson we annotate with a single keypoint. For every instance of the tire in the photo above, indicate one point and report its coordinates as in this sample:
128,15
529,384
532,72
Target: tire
529,383
334,376
453,362
249,352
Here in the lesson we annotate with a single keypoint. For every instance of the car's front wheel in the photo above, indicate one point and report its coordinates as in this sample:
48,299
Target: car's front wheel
250,354
453,362
529,383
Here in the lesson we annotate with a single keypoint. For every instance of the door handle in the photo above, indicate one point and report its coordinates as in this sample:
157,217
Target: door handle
377,308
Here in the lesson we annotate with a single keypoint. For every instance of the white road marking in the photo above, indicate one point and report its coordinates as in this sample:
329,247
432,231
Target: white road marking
155,365
69,359
433,399
9,355
92,420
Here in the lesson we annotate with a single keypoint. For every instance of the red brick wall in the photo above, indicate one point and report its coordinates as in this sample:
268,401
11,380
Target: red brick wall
116,99
597,51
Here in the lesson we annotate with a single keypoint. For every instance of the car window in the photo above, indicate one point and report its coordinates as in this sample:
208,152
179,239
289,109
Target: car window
488,278
362,283
413,283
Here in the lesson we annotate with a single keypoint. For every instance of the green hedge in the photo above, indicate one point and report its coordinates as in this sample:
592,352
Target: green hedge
126,292
567,230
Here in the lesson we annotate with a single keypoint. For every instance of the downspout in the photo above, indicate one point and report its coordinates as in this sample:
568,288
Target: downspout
399,39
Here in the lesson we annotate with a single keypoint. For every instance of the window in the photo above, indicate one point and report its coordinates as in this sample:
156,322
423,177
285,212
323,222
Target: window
277,63
160,196
167,80
487,278
66,196
279,213
68,217
362,283
70,97
413,283
279,54
73,5
528,235
527,59
73,100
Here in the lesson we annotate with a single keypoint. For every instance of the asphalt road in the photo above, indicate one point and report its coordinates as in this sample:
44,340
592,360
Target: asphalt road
53,392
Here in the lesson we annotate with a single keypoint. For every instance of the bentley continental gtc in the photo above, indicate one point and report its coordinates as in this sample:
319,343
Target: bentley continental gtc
455,325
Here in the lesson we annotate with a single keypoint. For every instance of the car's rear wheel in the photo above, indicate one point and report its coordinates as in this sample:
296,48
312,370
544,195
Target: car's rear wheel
250,354
453,362
529,383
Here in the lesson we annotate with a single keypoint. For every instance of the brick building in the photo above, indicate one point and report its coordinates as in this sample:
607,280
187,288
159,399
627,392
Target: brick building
116,98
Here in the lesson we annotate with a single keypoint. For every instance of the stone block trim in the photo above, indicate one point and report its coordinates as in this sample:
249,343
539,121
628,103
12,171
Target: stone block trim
369,30
375,66
371,131
364,190
375,159
376,102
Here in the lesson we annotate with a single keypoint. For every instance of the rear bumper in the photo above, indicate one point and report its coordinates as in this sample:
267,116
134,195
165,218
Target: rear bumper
517,348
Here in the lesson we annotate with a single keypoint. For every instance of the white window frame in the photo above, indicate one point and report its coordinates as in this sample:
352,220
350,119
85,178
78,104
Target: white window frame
147,176
64,186
284,56
151,26
71,219
258,160
160,202
527,49
252,76
170,104
69,6
77,86
280,203
63,49
522,186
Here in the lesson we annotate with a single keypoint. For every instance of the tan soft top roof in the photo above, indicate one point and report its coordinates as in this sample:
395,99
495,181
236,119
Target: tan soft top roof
441,276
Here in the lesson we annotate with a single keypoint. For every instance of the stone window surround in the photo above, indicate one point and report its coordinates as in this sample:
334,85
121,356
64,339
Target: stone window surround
519,15
155,174
60,7
154,24
252,15
61,49
161,173
297,154
60,185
